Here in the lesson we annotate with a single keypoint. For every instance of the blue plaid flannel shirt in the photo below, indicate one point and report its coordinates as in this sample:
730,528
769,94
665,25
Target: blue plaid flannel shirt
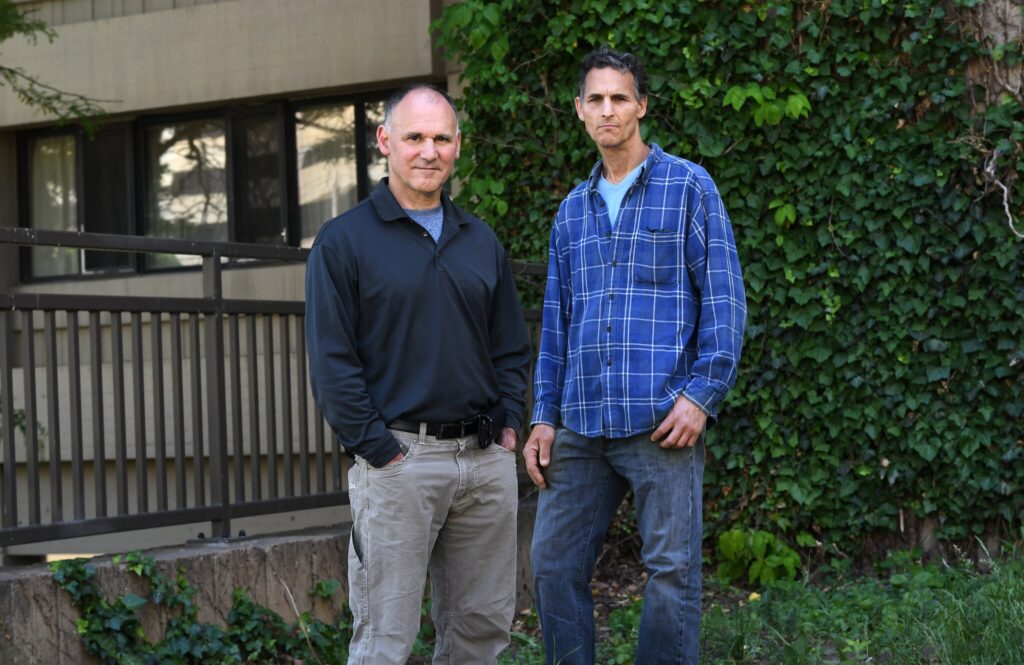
638,315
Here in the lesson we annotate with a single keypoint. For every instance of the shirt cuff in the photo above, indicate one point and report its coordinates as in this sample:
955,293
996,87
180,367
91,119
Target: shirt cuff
513,422
545,414
383,452
703,397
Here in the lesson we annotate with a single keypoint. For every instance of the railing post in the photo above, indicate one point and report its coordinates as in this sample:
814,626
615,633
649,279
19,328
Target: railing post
216,400
9,502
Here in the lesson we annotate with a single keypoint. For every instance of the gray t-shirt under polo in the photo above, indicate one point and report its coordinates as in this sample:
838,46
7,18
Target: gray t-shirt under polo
431,220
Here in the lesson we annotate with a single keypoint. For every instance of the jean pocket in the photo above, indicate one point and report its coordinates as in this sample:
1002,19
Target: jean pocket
656,256
502,449
408,444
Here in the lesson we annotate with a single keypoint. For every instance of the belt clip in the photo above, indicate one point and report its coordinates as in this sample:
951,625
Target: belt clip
485,431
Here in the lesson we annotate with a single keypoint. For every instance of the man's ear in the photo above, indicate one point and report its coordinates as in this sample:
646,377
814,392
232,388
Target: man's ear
643,108
579,108
382,141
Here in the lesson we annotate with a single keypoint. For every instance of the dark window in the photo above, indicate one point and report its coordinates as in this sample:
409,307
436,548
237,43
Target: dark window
260,207
106,192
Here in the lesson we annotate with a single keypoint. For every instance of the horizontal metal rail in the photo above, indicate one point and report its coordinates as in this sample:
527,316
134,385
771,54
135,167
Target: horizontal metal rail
169,411
112,242
164,444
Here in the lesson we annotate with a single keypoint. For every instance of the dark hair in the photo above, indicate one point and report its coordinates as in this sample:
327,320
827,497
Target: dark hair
396,98
605,57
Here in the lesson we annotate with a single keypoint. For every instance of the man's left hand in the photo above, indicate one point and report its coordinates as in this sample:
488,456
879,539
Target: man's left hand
509,440
682,426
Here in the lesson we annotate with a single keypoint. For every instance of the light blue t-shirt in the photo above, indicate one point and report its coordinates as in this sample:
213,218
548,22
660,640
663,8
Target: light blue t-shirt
613,194
432,220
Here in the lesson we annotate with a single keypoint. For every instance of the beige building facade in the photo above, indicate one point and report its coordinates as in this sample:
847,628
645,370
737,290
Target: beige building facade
228,120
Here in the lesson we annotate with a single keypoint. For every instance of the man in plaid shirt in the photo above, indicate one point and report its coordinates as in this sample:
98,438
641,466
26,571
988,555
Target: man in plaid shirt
644,315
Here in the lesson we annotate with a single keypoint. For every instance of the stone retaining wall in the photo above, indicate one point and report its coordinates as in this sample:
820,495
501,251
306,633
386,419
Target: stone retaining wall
37,621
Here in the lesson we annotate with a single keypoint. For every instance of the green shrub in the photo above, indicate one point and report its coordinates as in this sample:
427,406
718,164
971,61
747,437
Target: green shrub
882,378
758,556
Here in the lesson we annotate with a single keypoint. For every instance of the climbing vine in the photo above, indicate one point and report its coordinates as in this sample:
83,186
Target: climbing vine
873,187
111,629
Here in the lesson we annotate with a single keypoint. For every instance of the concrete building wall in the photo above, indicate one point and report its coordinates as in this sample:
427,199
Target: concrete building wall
200,53
149,57
76,11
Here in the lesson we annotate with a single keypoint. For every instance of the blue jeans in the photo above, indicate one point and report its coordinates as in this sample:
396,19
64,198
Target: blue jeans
587,480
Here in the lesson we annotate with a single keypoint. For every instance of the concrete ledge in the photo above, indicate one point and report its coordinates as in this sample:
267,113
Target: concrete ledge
37,621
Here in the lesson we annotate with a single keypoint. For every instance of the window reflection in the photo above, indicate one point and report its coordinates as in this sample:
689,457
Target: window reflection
54,202
258,173
376,163
187,193
326,149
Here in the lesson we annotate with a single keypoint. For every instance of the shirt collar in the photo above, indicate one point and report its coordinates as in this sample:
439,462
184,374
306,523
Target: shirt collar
645,173
389,210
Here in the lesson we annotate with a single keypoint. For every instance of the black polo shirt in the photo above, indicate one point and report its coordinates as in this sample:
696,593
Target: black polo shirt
398,326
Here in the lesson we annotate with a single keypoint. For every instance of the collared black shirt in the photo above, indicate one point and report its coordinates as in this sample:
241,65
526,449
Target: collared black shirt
398,326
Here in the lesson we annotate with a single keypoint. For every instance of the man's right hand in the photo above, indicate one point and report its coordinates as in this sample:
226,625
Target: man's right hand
394,460
537,453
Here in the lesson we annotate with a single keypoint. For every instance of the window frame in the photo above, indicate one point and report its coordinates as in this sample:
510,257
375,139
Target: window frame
284,111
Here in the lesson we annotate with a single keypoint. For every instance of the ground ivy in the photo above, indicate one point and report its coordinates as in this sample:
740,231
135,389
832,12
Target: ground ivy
883,372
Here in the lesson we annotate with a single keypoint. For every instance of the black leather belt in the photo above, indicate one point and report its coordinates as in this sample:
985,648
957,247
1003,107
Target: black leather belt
439,430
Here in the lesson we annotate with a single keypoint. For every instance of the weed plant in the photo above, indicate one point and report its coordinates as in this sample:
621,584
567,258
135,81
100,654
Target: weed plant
943,613
910,613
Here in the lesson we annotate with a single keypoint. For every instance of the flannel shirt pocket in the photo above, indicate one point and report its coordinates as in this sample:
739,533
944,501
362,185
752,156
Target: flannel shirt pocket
656,257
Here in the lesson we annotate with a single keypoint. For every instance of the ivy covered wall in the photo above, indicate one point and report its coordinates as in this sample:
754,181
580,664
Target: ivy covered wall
882,382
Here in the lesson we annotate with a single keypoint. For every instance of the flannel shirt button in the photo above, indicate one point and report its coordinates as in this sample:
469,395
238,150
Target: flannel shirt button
608,328
609,363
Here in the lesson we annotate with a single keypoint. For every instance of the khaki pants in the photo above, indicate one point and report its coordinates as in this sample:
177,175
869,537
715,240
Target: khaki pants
448,508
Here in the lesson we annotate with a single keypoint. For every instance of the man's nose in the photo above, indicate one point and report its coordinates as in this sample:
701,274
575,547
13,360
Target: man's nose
429,150
606,107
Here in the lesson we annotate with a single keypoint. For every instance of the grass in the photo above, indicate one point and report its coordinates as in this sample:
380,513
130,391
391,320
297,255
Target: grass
910,614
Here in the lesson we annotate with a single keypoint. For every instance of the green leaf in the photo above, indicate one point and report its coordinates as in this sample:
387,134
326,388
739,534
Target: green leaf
133,602
785,215
797,106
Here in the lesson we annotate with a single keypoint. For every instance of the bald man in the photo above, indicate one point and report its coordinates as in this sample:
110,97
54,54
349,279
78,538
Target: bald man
418,357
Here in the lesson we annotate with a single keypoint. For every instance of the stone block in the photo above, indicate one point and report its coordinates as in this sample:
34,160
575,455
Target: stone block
289,577
28,618
328,557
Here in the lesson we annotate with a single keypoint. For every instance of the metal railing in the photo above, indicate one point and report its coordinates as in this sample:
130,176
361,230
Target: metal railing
218,422
219,416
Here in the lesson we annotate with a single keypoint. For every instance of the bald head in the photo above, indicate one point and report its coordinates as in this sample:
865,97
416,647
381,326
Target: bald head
429,94
420,138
